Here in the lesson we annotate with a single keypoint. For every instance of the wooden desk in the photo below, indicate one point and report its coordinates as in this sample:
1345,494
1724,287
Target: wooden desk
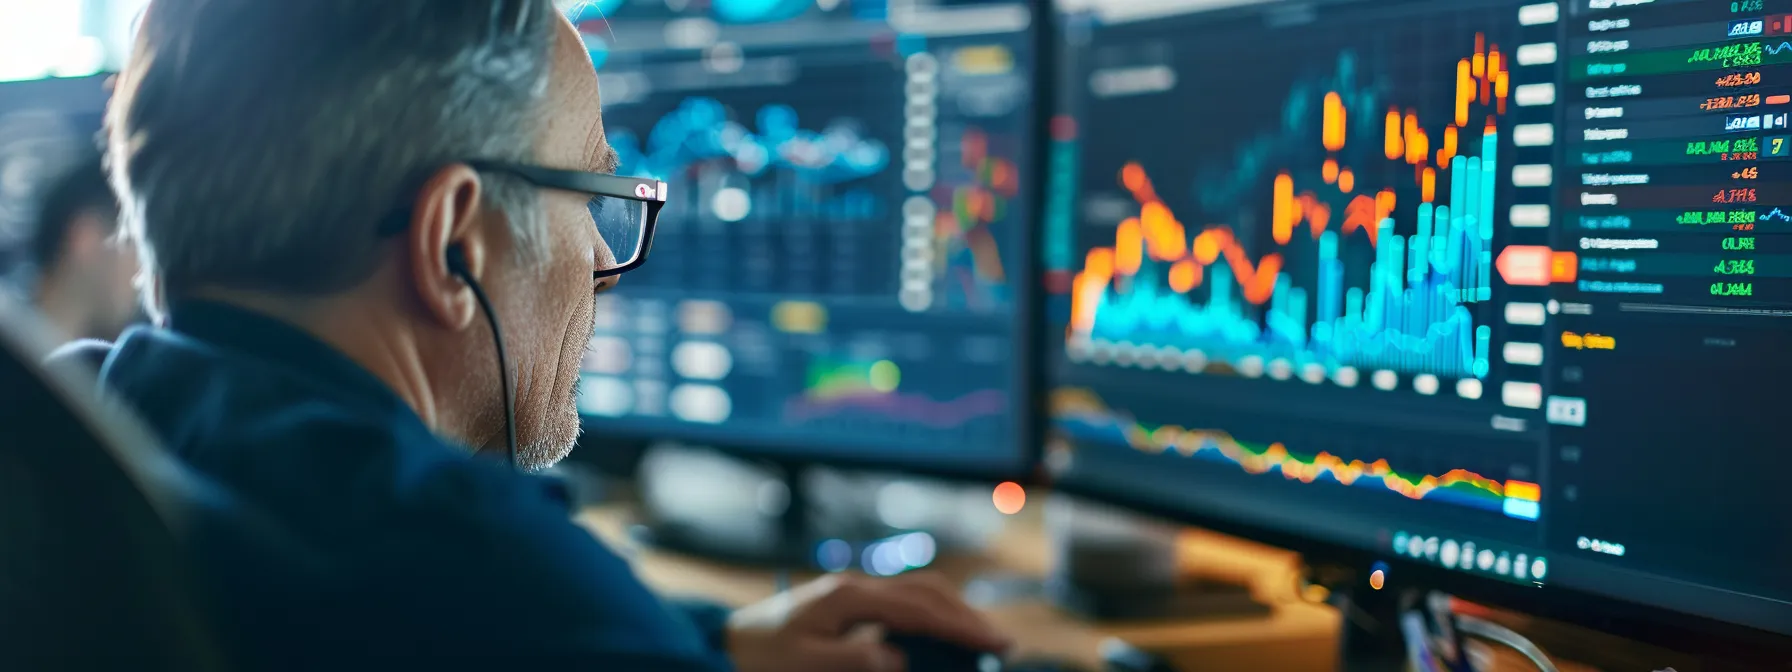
1295,636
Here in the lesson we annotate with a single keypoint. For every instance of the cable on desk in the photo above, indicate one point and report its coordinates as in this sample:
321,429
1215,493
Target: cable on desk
1475,626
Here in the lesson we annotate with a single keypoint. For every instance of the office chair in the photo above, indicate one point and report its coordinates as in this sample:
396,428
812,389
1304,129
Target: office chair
93,574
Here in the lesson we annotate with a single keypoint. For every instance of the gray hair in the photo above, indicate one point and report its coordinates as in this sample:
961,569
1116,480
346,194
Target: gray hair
261,145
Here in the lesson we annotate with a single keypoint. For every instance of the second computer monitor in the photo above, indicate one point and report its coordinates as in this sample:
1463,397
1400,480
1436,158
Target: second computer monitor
1486,289
840,272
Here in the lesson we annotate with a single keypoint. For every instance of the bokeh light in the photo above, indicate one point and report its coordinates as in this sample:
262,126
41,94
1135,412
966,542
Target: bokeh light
1010,498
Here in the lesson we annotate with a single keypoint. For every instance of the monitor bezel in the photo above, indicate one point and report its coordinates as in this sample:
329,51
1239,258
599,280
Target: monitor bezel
1641,621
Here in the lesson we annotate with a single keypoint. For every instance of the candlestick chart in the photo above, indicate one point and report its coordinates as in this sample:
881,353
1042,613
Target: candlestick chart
979,195
1376,250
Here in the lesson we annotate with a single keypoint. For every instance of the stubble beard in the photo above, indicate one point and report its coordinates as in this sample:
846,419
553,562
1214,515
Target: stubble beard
564,426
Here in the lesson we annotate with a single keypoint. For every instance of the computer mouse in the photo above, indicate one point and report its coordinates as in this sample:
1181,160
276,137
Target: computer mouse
929,654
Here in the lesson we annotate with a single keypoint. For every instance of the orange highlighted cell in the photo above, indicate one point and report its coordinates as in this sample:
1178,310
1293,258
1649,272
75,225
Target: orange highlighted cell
1346,180
1779,100
1329,171
1564,266
1525,265
1529,492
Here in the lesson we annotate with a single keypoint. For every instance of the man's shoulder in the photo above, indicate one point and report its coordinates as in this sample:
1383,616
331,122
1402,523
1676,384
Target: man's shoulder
304,448
421,533
86,353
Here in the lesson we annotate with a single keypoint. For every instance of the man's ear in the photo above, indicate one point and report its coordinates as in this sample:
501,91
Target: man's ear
447,215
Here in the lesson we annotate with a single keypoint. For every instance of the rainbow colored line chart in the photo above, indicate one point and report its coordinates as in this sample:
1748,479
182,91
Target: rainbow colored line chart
1083,415
838,389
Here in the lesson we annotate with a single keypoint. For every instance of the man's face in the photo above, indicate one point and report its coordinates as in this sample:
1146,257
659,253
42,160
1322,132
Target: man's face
555,307
104,268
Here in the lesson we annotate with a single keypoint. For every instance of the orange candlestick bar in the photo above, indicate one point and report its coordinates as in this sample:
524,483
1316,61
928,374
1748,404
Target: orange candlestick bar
1333,136
1394,147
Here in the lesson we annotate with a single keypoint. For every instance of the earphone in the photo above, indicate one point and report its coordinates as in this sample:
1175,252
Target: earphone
457,266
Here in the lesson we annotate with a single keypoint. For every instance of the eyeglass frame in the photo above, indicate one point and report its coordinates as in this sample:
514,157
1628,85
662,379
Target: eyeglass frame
650,192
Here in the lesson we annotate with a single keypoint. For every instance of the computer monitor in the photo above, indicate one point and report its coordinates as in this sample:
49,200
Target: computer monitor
840,274
46,127
1490,290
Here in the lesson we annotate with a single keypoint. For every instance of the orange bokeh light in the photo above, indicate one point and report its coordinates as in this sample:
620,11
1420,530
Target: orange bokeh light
1010,498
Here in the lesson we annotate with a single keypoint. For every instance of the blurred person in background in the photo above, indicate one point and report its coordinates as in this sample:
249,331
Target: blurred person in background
325,256
82,271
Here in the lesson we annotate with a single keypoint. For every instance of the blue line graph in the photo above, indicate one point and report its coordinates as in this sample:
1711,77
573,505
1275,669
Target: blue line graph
699,130
1257,158
760,11
593,10
1775,49
731,11
1775,215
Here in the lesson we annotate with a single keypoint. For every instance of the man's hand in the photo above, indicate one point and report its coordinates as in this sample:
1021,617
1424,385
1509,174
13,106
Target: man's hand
816,627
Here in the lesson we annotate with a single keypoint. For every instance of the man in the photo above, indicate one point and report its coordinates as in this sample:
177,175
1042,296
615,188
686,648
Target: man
82,273
300,182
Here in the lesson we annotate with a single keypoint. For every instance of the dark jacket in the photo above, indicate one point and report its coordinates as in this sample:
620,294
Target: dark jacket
418,549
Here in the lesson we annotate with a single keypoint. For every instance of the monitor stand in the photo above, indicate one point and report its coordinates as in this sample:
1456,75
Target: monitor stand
1111,566
1369,634
702,503
1387,630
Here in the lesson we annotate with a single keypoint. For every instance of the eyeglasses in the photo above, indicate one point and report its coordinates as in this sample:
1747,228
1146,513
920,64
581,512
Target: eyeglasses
624,209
